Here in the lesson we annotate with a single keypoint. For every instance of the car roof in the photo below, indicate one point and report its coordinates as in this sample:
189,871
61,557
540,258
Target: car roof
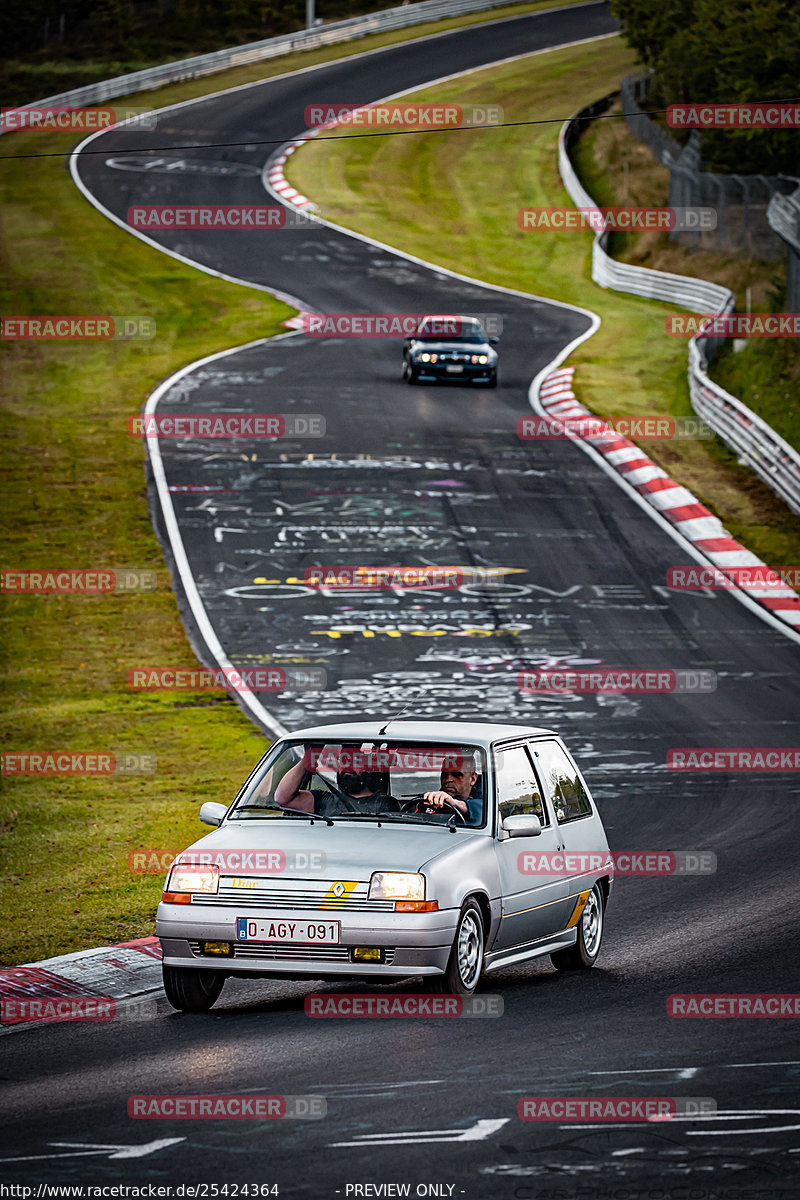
478,733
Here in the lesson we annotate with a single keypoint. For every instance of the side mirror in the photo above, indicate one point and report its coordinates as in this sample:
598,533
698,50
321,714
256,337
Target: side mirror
212,814
493,341
522,825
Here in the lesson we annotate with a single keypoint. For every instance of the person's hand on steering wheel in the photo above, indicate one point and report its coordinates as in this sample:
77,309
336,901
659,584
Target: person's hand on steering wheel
439,799
431,802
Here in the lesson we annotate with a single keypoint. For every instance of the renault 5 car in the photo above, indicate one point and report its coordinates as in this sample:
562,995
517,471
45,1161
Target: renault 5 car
450,348
447,850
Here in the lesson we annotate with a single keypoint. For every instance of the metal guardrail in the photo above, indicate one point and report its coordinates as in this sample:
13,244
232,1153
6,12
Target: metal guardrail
237,56
753,441
783,215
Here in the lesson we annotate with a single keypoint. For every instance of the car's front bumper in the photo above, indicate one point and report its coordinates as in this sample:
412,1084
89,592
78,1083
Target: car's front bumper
413,943
469,372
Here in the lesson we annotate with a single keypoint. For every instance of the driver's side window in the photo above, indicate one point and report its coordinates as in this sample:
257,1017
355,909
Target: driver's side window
518,790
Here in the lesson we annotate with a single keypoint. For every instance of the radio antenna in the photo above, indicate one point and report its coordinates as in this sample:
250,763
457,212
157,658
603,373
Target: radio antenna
397,716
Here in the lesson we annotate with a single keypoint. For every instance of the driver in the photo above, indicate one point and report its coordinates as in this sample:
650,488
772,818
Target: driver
456,790
362,792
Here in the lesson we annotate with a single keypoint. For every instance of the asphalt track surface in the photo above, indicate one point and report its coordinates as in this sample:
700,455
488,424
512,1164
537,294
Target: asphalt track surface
437,475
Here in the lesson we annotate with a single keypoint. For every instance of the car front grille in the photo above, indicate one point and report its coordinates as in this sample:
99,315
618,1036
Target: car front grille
295,894
294,953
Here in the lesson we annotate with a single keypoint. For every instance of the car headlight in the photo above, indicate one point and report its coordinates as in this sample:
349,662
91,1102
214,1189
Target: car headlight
482,358
425,357
183,880
396,885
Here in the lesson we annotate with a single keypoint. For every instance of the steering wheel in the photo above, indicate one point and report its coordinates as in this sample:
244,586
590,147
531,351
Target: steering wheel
414,803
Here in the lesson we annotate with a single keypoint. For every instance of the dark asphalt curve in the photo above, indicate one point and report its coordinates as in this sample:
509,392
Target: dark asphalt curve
416,475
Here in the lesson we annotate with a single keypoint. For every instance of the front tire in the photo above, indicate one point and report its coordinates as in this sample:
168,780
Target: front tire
465,965
409,374
492,380
189,990
584,953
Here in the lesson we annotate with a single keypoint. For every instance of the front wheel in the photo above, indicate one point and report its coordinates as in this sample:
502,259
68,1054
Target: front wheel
492,380
189,990
466,958
409,374
590,934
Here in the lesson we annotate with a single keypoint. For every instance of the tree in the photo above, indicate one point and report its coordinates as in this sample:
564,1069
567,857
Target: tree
701,51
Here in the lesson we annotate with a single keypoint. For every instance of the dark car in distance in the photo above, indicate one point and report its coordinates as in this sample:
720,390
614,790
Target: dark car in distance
450,348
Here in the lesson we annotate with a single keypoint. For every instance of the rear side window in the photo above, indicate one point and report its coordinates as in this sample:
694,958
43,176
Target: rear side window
517,787
568,793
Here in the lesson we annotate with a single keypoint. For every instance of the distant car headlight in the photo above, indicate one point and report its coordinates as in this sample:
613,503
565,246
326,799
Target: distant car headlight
396,885
193,878
434,358
482,358
425,357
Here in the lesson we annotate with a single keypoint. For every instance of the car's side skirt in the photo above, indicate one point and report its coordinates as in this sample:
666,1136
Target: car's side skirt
517,954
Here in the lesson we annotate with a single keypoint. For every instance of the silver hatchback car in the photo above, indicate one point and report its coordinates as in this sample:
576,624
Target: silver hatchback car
447,850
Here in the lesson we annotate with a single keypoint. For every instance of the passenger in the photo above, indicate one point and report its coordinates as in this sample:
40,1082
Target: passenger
362,792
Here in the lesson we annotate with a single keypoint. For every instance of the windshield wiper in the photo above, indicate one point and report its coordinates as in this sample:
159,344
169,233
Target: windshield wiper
278,808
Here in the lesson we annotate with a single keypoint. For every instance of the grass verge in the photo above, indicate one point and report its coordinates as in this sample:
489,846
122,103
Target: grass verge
453,198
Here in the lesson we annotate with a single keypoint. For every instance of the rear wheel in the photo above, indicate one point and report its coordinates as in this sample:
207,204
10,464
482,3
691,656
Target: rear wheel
590,934
465,965
190,990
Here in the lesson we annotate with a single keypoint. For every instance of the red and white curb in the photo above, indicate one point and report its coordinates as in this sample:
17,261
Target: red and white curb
120,973
691,519
279,182
275,177
280,186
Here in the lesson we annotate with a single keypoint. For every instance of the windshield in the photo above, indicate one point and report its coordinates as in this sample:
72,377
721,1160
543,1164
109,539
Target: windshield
368,781
450,329
475,339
